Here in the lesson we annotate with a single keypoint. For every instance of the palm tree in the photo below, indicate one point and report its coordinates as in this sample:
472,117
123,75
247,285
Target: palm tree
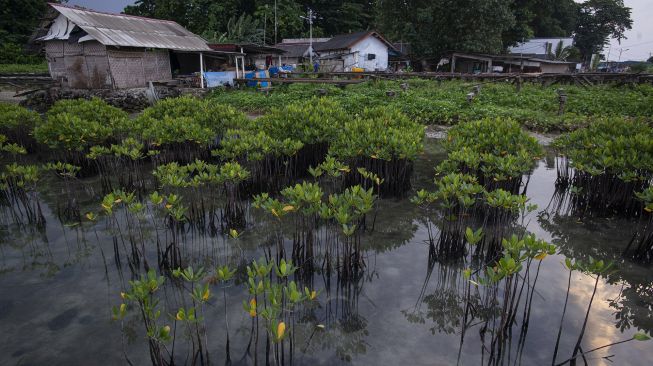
561,52
242,29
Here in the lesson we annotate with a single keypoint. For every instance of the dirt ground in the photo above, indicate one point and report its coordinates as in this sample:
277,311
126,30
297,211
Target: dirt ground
7,96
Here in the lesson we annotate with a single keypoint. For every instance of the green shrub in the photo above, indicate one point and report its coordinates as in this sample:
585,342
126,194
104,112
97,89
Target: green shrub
76,125
174,130
379,133
205,113
317,120
497,151
618,146
604,166
17,123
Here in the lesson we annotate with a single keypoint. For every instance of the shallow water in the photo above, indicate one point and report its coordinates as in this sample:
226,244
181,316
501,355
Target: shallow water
58,284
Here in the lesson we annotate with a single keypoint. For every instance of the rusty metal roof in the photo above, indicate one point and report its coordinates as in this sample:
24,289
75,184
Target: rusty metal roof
132,31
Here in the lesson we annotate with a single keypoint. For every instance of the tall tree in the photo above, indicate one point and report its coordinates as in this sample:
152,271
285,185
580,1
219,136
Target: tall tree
597,22
435,26
18,19
541,18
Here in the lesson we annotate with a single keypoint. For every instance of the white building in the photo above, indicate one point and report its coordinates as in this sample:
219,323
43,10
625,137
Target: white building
366,50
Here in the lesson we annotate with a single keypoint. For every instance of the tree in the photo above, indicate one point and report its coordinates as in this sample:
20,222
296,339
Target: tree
289,21
18,21
562,52
541,18
436,26
599,20
244,29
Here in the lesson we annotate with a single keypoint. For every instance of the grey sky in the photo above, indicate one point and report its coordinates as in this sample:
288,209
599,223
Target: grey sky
638,46
112,6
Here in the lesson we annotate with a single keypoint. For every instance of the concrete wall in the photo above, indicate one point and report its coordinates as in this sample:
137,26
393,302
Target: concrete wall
357,56
370,45
555,68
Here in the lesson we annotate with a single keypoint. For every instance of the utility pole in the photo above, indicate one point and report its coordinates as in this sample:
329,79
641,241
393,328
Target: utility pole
310,19
275,21
265,24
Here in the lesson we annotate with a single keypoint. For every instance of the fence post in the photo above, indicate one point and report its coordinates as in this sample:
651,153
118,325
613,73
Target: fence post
562,100
518,83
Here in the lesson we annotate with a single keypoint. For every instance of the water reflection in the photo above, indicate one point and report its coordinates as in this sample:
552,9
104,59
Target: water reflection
59,280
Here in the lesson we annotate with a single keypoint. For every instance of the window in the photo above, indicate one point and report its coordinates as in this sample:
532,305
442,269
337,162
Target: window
371,56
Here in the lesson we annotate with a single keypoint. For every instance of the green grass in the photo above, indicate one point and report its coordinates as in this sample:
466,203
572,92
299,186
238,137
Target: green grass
23,68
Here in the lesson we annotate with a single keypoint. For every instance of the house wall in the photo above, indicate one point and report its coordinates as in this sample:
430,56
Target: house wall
333,65
78,65
554,68
370,45
91,65
133,68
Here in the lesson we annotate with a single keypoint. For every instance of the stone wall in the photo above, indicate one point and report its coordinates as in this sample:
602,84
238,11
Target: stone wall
130,100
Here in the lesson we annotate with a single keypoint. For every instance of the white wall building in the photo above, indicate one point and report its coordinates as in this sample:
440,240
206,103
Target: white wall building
367,50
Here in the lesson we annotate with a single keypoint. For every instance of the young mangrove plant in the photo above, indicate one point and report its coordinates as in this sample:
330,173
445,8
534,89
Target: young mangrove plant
141,297
18,193
598,268
121,165
602,166
17,124
194,177
496,151
274,301
505,283
384,142
270,161
343,216
193,316
314,122
330,174
456,196
68,174
71,127
463,202
640,246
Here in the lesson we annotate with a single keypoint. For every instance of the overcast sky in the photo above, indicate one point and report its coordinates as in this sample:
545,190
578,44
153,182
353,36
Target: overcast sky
638,46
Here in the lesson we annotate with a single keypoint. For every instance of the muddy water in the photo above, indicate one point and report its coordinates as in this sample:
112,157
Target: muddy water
57,286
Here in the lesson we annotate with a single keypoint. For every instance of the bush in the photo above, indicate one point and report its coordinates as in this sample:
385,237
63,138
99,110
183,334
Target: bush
604,166
76,125
497,151
17,124
206,113
379,133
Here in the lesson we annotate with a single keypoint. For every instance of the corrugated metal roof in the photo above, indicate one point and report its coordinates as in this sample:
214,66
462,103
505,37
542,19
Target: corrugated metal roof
294,49
131,31
346,41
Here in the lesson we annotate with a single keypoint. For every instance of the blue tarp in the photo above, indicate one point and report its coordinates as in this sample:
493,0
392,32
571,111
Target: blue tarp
258,75
214,79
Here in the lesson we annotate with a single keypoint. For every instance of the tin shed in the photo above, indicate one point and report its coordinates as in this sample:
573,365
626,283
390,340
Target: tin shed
87,49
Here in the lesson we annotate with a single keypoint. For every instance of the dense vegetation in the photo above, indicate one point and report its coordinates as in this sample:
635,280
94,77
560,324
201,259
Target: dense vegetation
469,25
605,164
312,173
430,102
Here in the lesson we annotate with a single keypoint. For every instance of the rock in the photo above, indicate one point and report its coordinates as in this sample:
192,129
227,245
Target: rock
130,100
